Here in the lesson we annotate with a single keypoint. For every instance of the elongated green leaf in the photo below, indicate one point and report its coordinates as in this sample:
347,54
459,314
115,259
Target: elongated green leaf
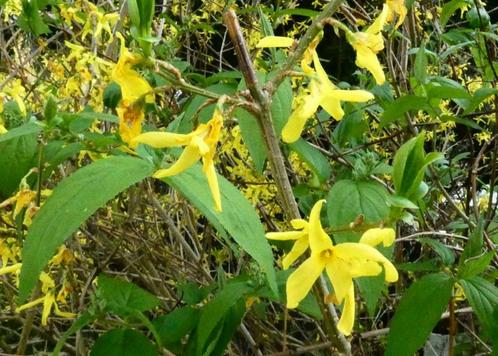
483,298
174,326
449,9
410,327
447,256
71,203
253,138
17,156
214,312
398,107
476,265
238,217
420,67
123,342
23,130
124,298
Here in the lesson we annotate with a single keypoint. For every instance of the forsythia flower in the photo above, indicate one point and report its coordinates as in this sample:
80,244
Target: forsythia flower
48,300
200,143
133,89
321,91
98,21
368,43
342,262
396,7
301,237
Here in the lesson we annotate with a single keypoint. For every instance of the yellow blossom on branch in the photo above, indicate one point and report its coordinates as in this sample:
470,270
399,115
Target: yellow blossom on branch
135,92
368,43
396,7
301,236
199,144
342,262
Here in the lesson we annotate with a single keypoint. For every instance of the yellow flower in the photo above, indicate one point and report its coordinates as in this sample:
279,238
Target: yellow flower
134,90
97,22
17,92
10,269
200,143
22,199
48,300
321,93
396,7
375,236
301,238
342,262
368,43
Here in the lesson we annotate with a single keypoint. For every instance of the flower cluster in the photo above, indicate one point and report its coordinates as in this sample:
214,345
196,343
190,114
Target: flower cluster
342,262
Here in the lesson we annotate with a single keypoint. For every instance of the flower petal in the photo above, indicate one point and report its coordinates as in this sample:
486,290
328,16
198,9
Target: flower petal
350,250
48,301
373,237
332,107
210,172
379,22
301,280
158,139
300,247
286,235
366,58
319,240
340,277
356,96
299,224
275,41
189,156
306,107
346,322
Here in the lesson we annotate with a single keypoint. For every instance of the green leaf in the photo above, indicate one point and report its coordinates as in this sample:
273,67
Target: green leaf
28,128
398,107
173,326
112,95
475,265
124,342
401,202
231,322
18,155
30,19
124,298
473,247
478,97
318,163
50,109
447,256
409,165
206,113
410,327
73,201
347,199
253,138
483,298
462,121
281,105
447,92
214,311
420,67
238,217
449,9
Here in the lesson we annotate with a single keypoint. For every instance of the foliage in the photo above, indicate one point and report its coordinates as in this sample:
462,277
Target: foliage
163,169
